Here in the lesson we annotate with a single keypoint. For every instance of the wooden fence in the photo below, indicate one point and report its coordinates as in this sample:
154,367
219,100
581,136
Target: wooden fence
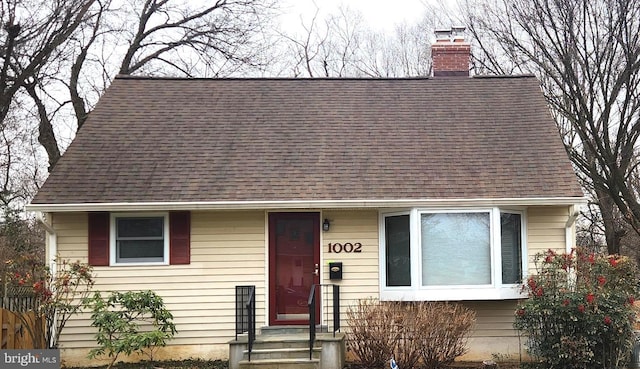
14,334
17,303
18,298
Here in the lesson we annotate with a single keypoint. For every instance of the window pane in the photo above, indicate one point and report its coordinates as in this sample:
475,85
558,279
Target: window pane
139,239
510,235
140,249
397,252
456,249
140,227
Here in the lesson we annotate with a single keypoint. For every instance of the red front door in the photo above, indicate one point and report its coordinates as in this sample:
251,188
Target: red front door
294,260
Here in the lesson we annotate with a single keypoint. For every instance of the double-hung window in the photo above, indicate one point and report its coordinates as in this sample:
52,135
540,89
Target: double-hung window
472,254
139,238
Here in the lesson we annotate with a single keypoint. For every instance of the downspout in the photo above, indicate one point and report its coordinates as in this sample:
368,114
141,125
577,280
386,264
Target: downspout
52,240
52,246
568,231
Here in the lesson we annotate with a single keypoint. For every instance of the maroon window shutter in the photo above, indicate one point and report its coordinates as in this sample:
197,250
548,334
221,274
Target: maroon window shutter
99,239
180,237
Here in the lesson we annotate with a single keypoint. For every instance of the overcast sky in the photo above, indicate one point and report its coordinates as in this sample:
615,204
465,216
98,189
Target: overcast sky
376,13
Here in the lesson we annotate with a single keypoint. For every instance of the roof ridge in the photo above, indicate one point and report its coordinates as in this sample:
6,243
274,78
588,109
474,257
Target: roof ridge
161,78
489,76
417,78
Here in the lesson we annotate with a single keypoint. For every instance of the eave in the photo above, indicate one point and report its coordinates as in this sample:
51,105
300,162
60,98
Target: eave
304,204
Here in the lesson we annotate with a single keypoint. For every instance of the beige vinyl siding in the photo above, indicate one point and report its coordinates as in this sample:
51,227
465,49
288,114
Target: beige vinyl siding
494,319
546,229
360,270
227,249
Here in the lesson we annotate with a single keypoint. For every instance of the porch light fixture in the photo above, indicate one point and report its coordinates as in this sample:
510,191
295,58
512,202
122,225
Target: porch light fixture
325,225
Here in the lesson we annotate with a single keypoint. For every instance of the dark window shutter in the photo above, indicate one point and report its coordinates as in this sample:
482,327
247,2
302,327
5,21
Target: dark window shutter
99,239
180,237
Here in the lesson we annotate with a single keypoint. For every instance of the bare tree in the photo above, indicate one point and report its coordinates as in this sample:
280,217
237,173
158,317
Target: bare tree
20,173
404,53
341,45
150,37
587,55
326,47
58,57
220,34
33,32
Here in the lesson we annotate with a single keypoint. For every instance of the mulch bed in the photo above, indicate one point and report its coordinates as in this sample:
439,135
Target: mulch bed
170,364
456,365
223,364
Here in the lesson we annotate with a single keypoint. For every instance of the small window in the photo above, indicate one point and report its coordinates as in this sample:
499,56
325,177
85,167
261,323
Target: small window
140,239
511,240
398,257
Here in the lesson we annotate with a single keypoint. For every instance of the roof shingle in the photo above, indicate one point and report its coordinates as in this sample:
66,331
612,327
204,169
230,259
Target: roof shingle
195,140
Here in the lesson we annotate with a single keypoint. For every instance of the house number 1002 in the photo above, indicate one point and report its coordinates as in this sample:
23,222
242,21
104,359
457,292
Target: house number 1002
347,247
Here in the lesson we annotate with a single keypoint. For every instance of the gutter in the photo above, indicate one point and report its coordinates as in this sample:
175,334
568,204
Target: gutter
303,204
52,240
568,231
52,248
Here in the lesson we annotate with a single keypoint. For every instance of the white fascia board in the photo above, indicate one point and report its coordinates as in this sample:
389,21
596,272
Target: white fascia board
303,204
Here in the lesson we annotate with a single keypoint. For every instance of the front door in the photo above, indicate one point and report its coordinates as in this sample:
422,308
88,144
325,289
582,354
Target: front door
294,260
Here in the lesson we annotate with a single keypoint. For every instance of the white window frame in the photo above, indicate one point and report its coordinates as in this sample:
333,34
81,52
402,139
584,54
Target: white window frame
112,238
523,246
496,290
383,251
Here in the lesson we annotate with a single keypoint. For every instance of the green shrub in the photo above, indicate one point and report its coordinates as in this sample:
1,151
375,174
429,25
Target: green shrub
579,313
129,322
54,297
410,332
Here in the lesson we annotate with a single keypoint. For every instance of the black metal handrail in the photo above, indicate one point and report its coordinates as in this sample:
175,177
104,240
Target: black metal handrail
251,308
336,309
312,304
246,314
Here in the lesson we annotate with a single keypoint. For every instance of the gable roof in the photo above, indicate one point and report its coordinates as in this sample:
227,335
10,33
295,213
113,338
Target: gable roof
226,141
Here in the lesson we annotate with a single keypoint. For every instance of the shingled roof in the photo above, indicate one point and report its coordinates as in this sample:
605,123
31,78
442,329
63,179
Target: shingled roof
153,140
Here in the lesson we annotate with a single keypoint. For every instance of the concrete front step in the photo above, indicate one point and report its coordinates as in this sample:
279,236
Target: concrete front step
283,353
280,364
287,350
289,329
282,341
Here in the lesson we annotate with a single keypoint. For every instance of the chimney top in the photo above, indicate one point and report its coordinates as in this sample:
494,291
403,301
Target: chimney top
443,34
455,34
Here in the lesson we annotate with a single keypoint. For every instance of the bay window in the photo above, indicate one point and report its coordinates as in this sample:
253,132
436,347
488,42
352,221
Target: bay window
473,254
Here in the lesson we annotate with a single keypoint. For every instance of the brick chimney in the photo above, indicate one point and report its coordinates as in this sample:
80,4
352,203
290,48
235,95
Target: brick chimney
450,53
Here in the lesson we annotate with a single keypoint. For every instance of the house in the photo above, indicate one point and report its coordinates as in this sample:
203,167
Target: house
423,188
